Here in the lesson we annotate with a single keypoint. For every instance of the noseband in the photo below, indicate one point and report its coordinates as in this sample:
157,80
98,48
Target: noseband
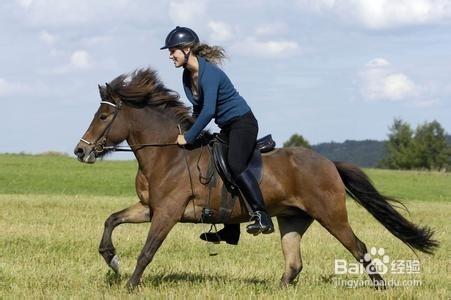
100,143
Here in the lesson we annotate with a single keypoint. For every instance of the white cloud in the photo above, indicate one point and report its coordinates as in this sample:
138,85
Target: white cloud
185,12
47,37
53,14
97,40
80,59
397,86
8,88
381,14
252,46
381,82
377,63
25,3
5,87
220,31
317,6
271,29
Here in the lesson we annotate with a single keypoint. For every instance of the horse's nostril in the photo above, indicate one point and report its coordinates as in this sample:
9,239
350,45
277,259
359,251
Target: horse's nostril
79,152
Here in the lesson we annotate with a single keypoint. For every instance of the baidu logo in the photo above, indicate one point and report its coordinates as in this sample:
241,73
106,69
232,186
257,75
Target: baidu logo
378,264
377,261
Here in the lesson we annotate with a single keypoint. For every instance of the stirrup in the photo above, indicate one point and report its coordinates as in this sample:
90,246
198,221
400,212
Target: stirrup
258,227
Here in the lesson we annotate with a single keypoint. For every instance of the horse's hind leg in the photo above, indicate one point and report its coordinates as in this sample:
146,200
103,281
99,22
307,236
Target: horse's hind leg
137,213
334,218
291,230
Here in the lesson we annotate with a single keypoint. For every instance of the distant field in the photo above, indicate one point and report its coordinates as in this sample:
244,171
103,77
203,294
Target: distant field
26,174
52,211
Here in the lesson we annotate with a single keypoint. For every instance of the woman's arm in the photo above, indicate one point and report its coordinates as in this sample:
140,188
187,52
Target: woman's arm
210,94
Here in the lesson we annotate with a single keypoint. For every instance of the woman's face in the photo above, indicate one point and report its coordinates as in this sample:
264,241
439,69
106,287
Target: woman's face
177,56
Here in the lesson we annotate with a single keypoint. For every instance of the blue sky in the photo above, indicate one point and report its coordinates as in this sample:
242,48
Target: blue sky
330,70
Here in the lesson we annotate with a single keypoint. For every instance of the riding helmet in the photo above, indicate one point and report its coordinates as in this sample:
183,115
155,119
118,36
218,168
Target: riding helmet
179,37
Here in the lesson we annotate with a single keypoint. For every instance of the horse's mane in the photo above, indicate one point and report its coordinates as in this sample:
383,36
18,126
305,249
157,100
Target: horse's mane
143,87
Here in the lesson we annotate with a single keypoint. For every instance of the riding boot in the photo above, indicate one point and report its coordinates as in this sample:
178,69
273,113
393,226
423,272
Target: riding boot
250,190
229,234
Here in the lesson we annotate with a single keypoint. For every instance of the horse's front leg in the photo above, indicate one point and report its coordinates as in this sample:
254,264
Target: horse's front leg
137,213
163,220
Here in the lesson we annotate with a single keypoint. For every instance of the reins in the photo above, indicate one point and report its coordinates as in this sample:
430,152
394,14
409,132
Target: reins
99,147
133,147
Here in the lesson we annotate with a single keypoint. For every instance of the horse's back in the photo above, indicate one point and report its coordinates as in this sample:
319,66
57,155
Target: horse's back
300,158
294,175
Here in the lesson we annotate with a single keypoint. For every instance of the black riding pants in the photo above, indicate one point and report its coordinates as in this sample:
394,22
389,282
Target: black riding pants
241,134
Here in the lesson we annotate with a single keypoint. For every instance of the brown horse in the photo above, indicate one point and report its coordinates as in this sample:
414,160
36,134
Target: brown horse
298,185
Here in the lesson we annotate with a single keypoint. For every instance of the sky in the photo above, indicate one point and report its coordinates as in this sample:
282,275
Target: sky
330,70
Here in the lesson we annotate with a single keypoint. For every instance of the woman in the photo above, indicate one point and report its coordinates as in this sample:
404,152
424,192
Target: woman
213,96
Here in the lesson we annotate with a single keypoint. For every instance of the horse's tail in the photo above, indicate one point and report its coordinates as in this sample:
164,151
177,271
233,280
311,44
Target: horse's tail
360,188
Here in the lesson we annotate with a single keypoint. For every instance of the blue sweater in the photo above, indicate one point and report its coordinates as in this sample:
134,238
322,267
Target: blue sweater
217,98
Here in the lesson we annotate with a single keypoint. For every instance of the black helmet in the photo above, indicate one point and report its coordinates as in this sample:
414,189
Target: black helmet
180,36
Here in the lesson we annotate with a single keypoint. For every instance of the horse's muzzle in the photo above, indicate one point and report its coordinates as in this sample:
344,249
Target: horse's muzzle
85,154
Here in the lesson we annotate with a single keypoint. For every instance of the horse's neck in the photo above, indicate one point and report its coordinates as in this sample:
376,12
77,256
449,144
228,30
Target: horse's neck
148,126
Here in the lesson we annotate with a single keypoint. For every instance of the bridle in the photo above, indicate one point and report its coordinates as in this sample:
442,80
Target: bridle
100,143
100,147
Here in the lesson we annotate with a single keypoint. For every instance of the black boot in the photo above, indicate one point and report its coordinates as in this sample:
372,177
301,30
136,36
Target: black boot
229,234
250,190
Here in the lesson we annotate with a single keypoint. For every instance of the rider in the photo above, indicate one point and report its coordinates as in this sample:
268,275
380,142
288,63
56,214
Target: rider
213,96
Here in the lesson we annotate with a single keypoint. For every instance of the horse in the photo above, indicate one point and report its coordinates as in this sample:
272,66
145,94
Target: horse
298,185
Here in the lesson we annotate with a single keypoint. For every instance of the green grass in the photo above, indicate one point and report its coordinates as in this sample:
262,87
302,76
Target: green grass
27,174
51,228
413,185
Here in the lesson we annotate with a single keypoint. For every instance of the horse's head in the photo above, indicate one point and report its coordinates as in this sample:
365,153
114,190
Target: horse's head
108,127
134,106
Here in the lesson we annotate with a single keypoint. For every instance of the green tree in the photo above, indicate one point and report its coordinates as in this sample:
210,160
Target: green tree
297,140
431,151
399,146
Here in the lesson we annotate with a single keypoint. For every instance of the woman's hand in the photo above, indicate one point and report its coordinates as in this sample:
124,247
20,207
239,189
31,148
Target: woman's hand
181,140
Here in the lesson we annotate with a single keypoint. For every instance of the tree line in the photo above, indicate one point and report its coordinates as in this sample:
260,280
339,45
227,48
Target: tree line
427,147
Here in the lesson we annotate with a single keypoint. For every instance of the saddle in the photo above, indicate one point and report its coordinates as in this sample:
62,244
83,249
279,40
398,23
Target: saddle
219,153
230,192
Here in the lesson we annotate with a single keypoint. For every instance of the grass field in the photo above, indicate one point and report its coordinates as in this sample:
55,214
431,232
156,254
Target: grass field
52,215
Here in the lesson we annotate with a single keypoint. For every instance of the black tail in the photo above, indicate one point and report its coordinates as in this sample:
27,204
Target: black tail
360,188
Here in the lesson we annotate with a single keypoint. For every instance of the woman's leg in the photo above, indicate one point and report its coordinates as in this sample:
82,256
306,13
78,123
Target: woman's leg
242,138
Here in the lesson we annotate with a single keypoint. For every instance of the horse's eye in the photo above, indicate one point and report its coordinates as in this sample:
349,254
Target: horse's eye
103,117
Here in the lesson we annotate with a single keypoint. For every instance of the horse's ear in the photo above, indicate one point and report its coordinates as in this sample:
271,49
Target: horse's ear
111,94
102,92
109,90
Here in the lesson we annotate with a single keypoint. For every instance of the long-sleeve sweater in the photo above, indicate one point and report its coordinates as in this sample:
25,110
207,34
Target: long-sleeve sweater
217,98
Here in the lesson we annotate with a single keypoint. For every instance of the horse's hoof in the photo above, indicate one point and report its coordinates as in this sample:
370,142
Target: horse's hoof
380,285
114,264
284,284
130,286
